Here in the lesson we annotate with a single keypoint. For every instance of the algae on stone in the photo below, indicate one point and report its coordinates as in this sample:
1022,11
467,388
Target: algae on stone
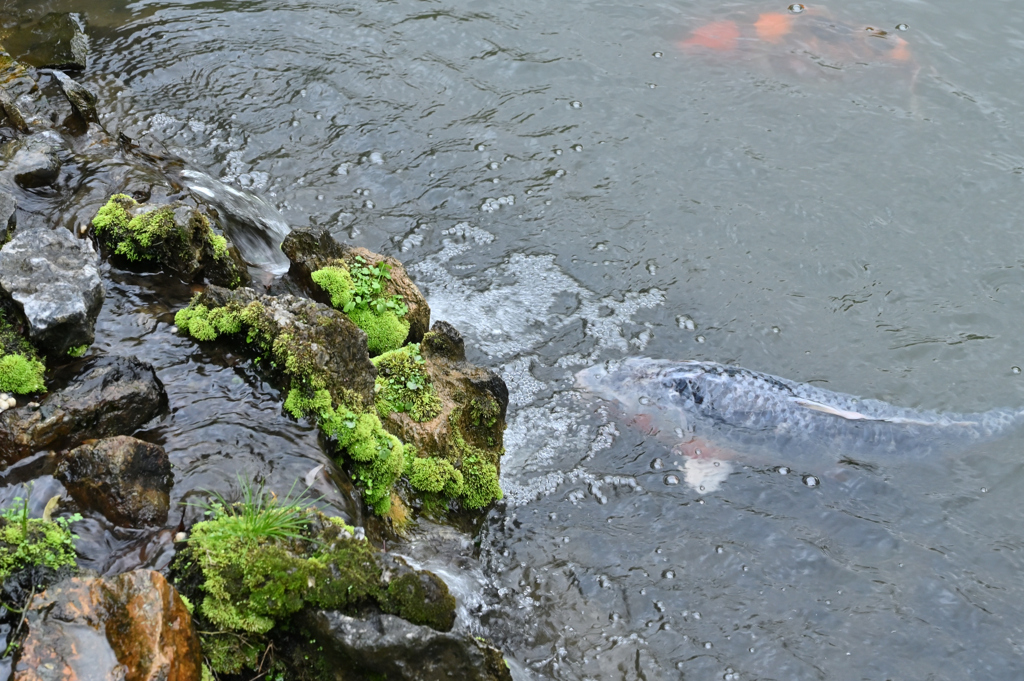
30,542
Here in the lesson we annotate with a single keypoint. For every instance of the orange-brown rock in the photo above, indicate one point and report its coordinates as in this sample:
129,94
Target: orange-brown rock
310,251
133,626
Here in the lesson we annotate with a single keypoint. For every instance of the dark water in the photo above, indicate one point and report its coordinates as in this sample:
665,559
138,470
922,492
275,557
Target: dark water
568,184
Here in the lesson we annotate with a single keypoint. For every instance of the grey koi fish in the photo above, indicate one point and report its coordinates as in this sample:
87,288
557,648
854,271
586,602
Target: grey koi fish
681,400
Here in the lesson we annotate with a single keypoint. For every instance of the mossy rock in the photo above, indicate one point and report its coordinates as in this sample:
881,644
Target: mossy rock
249,589
454,446
21,367
312,250
178,237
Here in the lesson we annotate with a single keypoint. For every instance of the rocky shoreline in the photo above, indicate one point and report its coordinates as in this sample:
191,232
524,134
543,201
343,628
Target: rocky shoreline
262,583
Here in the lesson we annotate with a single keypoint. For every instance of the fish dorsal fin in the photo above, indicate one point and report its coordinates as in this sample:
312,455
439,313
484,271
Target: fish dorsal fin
834,411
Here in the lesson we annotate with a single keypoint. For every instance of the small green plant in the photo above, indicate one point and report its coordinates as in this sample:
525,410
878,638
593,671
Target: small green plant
22,375
77,351
257,516
369,292
402,385
27,542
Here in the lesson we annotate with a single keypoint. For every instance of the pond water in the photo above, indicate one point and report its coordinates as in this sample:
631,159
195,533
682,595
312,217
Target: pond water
817,195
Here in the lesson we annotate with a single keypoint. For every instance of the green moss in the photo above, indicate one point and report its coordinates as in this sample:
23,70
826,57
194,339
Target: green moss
384,331
249,587
481,484
337,282
19,374
403,386
220,246
145,236
28,542
435,475
77,351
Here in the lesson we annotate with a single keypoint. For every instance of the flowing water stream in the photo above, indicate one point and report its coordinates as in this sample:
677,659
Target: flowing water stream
576,181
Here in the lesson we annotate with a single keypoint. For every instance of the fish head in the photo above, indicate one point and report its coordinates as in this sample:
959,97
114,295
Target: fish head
642,391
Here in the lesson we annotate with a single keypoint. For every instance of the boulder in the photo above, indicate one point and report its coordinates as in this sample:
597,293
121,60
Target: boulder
133,626
33,161
388,647
127,480
108,396
310,251
54,278
23,102
81,99
56,40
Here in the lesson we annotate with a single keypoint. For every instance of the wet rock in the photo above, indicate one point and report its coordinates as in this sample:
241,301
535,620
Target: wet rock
81,99
33,161
8,216
176,235
310,251
108,396
54,279
320,340
125,479
133,626
56,40
385,646
23,102
12,111
459,448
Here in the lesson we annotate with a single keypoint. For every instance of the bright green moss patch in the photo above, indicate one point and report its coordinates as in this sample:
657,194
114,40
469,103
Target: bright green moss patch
403,386
21,375
337,282
28,542
249,586
142,237
361,292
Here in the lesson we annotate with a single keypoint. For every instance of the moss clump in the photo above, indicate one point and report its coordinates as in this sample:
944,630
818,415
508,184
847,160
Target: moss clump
21,375
143,237
77,351
360,290
436,475
403,386
378,457
21,369
337,282
30,542
250,586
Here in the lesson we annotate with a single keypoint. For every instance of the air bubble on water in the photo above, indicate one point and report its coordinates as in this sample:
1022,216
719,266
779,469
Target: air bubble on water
319,197
657,465
902,27
745,568
480,147
652,85
669,574
750,649
644,400
659,606
776,329
783,470
368,204
717,464
719,549
601,246
495,180
302,93
1015,370
707,646
559,173
796,8
558,152
700,339
811,481
658,55
493,165
685,322
577,147
984,490
701,488
576,105
671,479
615,617
295,124
700,501
376,158
696,615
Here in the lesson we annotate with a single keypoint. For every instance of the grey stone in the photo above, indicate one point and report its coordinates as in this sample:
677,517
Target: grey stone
385,646
56,40
34,161
82,100
108,396
54,278
8,216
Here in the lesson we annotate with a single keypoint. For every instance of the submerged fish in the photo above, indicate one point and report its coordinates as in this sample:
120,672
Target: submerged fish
692,404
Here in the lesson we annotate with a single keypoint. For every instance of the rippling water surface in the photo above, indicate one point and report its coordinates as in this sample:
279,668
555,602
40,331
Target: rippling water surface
571,182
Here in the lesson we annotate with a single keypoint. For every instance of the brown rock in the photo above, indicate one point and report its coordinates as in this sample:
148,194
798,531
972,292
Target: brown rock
127,480
109,396
310,251
133,626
